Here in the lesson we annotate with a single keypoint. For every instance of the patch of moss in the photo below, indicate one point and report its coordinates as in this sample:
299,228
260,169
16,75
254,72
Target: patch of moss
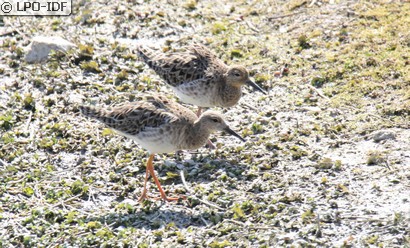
90,66
308,216
257,128
121,76
7,138
190,4
6,121
327,163
261,78
372,240
236,53
294,4
376,158
107,132
222,244
297,152
92,225
78,187
318,81
218,27
303,42
238,212
86,50
28,191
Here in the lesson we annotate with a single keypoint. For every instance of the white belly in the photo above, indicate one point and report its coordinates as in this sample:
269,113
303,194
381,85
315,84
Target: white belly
154,144
200,100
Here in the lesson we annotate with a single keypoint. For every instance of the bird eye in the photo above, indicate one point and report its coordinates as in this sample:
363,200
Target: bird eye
215,120
237,74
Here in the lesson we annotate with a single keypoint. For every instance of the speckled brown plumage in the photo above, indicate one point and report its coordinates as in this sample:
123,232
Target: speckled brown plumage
197,76
134,117
197,63
160,125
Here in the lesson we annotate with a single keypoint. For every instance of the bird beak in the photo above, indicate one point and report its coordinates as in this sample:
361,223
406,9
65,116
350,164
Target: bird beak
232,132
255,86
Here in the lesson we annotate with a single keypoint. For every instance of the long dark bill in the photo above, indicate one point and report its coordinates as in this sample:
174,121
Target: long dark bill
255,86
232,132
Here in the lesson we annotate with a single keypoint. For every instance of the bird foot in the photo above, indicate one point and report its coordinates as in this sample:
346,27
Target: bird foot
165,198
171,199
143,197
210,145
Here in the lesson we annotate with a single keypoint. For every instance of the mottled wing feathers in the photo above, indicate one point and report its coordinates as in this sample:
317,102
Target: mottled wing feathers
130,118
127,119
171,108
179,68
203,53
133,118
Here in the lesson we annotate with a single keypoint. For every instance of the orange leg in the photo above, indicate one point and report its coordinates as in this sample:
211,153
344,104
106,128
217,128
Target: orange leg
144,191
150,168
210,145
199,112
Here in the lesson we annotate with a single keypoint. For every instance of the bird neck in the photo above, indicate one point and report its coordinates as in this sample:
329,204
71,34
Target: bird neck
199,134
231,93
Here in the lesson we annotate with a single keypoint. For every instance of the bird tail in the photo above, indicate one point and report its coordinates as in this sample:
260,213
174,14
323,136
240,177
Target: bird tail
147,55
201,51
94,112
156,60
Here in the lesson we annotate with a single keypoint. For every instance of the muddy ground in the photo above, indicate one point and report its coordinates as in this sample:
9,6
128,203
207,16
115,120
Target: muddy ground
327,157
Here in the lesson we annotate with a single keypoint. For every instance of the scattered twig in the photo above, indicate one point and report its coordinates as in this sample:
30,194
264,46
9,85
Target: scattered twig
180,29
252,27
318,228
371,114
312,3
368,219
249,106
249,226
26,127
261,227
388,164
16,181
284,71
65,201
203,220
9,33
3,163
282,16
318,92
235,222
196,198
181,172
16,30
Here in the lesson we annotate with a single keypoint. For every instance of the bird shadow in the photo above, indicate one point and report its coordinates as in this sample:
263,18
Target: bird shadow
200,167
153,216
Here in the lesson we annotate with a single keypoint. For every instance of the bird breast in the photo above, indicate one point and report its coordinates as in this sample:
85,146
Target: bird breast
199,96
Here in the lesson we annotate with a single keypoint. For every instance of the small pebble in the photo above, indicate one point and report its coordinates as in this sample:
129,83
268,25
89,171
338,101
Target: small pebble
384,135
